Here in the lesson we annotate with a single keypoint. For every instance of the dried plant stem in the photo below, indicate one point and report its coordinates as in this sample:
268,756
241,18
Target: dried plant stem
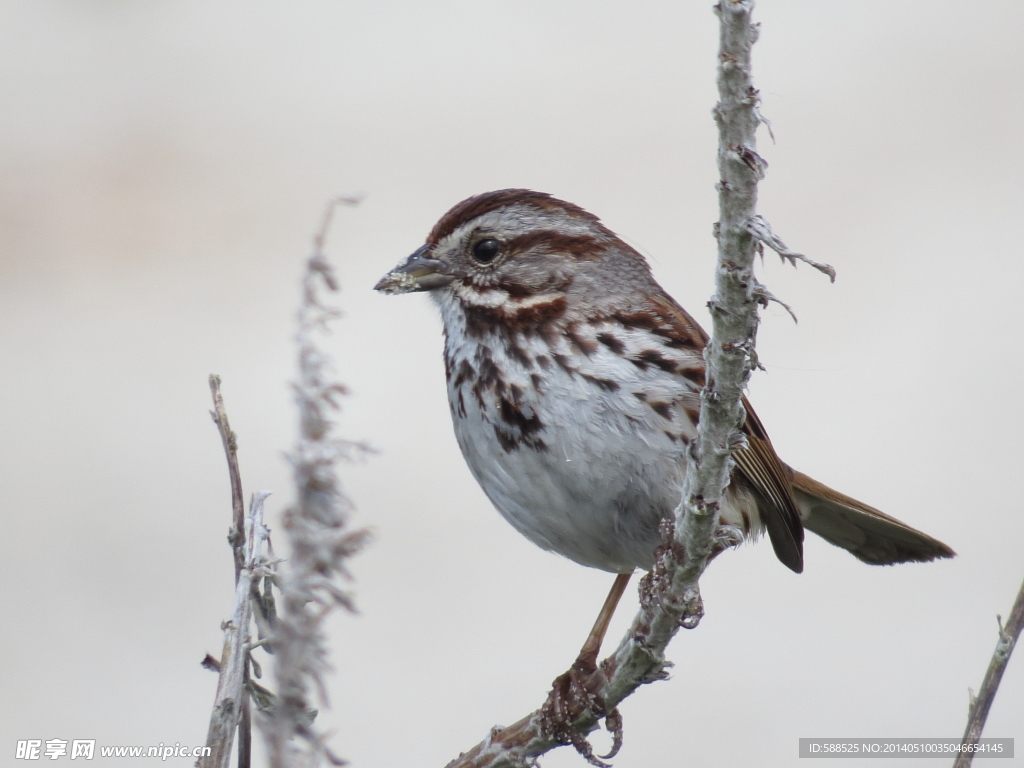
316,527
982,703
670,597
245,725
236,534
228,703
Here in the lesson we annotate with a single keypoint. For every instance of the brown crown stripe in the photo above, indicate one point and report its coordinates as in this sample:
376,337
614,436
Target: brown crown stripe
478,205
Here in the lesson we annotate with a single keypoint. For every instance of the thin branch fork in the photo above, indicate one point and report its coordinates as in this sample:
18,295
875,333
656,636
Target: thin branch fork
670,595
981,704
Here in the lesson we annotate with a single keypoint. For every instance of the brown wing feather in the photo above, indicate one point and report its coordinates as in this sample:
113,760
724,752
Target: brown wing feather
862,530
772,480
789,500
758,463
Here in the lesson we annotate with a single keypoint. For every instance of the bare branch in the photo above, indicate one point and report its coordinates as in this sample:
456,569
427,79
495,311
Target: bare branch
231,686
982,703
670,596
236,535
318,534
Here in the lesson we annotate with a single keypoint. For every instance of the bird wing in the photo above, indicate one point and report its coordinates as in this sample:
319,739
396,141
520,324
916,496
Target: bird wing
757,463
772,480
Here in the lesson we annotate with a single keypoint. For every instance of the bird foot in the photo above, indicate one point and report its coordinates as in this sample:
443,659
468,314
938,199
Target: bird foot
574,694
725,536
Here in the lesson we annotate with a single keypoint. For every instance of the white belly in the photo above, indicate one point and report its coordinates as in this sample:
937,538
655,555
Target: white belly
582,454
596,475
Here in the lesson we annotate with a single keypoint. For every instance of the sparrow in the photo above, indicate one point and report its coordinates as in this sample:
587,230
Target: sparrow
574,387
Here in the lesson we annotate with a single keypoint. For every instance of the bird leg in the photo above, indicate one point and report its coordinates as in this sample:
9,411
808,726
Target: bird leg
592,647
576,691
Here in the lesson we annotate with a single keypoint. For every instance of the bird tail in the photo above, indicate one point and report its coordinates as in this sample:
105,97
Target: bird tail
863,531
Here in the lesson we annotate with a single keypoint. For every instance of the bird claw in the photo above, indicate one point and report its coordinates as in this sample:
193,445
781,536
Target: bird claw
573,694
613,722
726,536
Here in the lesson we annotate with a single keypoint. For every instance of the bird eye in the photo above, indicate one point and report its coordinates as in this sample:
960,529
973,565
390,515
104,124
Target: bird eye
486,251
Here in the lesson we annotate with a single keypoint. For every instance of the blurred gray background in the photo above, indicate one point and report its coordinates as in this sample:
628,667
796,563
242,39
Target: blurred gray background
163,165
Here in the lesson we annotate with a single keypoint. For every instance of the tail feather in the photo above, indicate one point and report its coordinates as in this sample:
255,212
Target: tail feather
863,531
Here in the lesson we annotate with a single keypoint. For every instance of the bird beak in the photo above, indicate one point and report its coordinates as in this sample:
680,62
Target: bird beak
417,273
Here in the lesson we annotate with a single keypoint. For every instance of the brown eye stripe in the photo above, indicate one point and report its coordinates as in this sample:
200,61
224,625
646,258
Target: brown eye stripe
583,247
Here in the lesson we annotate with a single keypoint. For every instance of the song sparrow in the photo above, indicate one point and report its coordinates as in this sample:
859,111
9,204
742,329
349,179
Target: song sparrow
574,384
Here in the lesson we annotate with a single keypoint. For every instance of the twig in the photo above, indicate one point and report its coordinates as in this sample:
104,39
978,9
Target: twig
670,597
227,708
236,534
245,721
761,229
236,538
317,530
982,703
